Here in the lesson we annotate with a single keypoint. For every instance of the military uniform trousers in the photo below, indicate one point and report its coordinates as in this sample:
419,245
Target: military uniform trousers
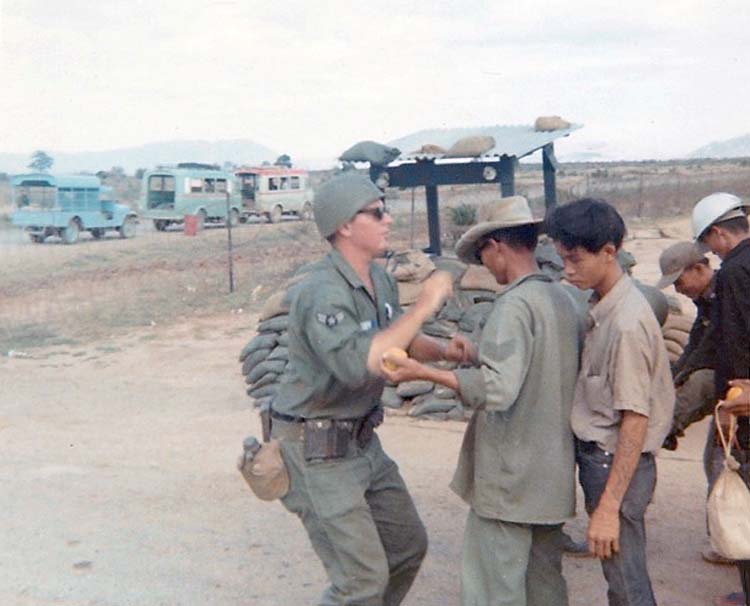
511,564
361,521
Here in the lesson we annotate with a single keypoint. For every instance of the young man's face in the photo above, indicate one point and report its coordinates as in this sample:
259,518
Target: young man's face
370,228
585,269
694,280
716,241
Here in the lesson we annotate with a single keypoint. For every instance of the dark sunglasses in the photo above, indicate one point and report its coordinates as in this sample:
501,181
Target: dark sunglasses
378,212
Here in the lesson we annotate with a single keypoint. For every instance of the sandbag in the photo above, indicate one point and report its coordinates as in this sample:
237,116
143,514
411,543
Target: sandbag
549,123
370,151
470,147
430,149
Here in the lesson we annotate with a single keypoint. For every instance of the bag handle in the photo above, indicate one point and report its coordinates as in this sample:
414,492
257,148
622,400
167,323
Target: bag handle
726,442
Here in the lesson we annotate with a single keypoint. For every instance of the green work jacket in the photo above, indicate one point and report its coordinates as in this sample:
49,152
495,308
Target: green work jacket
517,461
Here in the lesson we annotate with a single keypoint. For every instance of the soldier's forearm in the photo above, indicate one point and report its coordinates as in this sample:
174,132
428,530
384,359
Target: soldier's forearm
399,334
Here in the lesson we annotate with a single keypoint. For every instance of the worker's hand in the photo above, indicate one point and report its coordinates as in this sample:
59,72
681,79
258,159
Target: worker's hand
400,369
435,290
740,404
460,349
604,530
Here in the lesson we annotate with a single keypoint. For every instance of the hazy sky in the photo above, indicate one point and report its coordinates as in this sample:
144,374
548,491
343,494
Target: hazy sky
647,78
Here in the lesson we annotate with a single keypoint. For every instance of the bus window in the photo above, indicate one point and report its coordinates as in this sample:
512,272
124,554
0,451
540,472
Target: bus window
221,186
196,186
284,183
209,186
295,182
272,184
161,183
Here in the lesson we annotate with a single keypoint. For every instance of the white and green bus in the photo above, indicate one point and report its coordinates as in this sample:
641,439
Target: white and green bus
170,193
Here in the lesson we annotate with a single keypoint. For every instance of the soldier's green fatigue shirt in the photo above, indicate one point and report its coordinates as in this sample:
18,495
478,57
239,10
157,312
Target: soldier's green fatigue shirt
517,461
332,322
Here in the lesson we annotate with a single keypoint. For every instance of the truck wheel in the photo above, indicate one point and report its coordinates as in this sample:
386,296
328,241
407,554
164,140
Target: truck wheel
275,215
307,212
97,233
160,224
70,233
234,217
127,229
202,216
36,238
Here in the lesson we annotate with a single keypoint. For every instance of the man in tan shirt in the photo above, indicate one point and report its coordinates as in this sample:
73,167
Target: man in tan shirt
624,400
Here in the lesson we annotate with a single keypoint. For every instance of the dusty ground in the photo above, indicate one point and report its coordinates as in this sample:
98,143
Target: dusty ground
118,484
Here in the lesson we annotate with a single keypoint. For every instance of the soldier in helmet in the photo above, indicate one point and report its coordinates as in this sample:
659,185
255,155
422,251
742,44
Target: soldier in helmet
720,223
347,492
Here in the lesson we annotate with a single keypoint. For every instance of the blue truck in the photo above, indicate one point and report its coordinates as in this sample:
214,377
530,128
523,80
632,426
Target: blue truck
67,205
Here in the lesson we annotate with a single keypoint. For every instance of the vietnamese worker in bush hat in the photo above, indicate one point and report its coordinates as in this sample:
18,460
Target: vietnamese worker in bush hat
516,468
507,212
344,315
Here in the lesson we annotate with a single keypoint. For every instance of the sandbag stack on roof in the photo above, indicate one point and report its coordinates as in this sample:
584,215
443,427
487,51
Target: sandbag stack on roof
550,123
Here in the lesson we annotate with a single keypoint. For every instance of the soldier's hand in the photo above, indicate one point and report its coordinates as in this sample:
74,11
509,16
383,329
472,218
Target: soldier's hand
460,349
435,290
400,369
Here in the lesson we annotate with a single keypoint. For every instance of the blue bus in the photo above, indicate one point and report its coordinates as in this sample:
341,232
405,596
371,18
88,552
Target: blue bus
170,193
67,205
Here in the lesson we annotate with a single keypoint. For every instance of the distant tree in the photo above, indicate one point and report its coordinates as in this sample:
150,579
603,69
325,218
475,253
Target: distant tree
283,160
41,161
139,172
117,172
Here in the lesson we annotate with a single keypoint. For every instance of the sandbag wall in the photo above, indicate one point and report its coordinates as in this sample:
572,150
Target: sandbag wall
265,357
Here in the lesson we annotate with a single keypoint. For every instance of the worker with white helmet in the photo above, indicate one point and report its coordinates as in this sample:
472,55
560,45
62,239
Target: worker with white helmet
720,223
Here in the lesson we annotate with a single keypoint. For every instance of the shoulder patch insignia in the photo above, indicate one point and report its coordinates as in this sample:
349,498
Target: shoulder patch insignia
330,320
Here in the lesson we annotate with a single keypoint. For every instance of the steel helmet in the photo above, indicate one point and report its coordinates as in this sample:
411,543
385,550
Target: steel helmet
338,200
712,208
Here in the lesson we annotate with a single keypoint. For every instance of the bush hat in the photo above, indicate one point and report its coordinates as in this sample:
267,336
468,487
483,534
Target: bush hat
340,198
506,212
676,259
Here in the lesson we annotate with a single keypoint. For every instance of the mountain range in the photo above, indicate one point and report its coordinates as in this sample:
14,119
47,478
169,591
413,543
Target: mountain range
737,147
236,151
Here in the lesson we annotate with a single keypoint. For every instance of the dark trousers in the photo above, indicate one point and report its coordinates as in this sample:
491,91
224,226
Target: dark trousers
626,572
743,458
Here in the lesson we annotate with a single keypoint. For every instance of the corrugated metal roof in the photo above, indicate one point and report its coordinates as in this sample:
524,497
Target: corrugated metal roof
518,141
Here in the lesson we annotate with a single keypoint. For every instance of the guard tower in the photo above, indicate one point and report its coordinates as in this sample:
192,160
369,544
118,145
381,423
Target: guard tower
495,165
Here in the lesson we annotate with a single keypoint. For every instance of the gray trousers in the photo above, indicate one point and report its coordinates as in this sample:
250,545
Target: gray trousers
509,564
626,572
361,521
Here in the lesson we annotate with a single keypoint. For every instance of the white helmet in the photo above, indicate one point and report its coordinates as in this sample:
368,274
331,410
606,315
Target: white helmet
714,207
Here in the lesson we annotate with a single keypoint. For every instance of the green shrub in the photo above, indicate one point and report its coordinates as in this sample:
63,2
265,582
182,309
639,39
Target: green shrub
463,214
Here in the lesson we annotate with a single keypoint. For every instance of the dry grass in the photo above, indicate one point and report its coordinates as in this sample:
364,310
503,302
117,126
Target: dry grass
56,294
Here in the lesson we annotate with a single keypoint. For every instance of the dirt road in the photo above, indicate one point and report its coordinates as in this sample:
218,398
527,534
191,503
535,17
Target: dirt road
119,487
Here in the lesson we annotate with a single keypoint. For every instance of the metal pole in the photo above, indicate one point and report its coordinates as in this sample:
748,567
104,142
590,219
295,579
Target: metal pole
229,246
411,238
